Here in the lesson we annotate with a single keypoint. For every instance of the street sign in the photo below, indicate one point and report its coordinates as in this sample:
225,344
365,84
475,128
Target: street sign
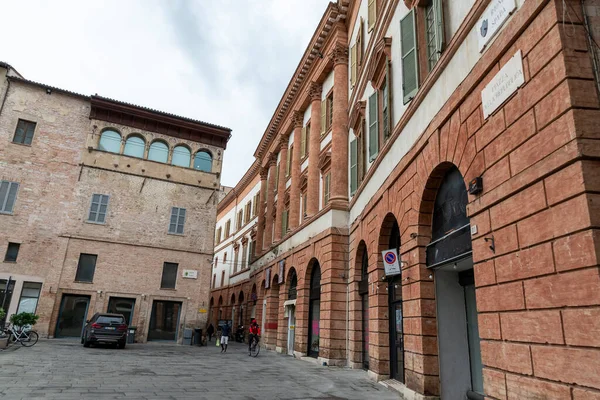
390,262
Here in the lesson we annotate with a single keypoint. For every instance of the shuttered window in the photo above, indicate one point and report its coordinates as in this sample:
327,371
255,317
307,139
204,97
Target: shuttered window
408,38
227,228
359,43
8,196
353,166
353,65
284,222
24,132
329,111
326,188
372,14
373,127
290,155
303,143
86,268
323,117
434,32
98,208
177,220
169,275
218,236
277,178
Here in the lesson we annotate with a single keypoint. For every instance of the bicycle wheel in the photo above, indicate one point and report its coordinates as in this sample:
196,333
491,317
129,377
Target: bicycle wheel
29,338
255,349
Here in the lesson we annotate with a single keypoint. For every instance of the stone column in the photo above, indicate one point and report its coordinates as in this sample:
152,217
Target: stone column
294,213
339,129
270,203
283,146
312,197
260,231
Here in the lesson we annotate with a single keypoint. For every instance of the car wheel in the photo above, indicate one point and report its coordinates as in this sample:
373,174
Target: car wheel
82,340
86,343
121,345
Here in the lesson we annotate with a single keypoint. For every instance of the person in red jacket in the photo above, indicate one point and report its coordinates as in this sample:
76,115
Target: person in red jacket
253,333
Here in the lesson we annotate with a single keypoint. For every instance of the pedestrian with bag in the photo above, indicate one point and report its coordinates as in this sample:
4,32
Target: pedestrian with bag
225,331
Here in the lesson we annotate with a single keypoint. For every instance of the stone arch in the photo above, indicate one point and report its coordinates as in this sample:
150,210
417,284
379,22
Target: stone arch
159,151
135,145
291,284
314,307
360,297
110,140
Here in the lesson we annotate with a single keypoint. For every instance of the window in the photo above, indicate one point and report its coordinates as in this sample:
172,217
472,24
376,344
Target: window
135,147
284,222
12,252
159,151
222,278
372,14
304,142
385,109
98,208
227,228
353,166
218,236
24,132
203,161
110,141
290,159
304,201
225,258
434,25
251,251
29,297
359,43
244,255
240,219
248,211
181,156
8,196
277,177
373,127
177,220
169,276
214,280
408,40
326,114
353,65
326,188
86,268
255,204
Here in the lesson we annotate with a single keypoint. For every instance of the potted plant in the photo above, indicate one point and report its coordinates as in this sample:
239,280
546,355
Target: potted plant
24,320
3,335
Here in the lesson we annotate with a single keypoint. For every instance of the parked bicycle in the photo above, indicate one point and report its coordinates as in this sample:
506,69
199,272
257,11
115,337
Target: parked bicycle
22,335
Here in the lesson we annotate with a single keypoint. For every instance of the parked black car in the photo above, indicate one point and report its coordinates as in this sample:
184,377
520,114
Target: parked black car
105,328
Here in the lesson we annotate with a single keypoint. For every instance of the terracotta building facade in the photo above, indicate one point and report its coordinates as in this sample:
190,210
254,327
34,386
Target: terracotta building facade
460,136
106,207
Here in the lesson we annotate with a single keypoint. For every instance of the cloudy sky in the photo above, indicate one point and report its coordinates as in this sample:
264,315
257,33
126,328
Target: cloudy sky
222,61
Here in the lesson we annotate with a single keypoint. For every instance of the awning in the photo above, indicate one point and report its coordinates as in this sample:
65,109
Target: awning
289,303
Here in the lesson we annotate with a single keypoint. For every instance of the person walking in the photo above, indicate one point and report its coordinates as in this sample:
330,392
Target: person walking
210,331
225,331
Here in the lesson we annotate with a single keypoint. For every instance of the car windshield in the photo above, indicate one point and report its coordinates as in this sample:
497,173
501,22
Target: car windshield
105,319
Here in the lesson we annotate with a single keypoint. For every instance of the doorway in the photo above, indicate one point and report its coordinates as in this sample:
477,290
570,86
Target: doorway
164,320
72,315
395,311
291,310
122,305
291,329
314,311
6,291
363,291
449,256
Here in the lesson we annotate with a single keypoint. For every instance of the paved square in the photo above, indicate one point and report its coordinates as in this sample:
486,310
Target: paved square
64,369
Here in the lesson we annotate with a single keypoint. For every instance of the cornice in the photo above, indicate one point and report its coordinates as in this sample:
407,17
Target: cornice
357,114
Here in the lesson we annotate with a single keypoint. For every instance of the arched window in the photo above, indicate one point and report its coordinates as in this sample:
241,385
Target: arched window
110,141
159,151
134,147
181,156
293,290
203,161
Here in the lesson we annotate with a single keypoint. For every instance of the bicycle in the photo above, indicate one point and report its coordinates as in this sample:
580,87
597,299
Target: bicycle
26,337
254,347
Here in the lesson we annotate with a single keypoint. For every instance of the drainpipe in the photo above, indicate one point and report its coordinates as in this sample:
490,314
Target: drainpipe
5,94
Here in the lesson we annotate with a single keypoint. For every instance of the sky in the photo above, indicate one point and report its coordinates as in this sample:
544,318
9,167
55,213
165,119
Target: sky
226,62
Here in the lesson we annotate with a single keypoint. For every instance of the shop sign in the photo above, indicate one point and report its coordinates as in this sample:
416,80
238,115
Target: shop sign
492,20
190,274
504,84
202,311
390,262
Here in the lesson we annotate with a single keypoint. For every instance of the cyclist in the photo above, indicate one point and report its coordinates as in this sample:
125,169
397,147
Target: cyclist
253,334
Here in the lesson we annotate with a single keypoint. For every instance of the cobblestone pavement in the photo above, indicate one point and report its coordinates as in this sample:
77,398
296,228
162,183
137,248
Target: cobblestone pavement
64,369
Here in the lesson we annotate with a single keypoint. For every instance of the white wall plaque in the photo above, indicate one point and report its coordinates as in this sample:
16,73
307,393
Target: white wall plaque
492,19
505,83
190,273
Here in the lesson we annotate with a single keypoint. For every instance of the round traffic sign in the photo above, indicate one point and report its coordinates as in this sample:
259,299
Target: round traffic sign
390,257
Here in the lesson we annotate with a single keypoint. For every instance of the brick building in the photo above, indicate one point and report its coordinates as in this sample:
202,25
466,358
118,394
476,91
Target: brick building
462,135
105,206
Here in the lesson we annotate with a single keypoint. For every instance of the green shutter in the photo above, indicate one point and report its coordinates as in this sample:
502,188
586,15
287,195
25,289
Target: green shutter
439,25
410,73
276,179
373,127
327,187
323,117
284,221
289,164
353,166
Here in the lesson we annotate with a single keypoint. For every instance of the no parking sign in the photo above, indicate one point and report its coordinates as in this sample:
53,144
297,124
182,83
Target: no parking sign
390,262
